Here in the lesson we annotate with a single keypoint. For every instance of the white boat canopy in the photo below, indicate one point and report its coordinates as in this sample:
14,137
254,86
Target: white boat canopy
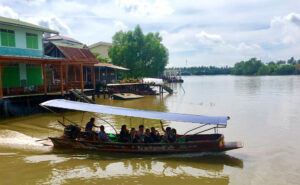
86,107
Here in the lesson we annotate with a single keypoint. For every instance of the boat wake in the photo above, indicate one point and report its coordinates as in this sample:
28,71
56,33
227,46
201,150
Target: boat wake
16,140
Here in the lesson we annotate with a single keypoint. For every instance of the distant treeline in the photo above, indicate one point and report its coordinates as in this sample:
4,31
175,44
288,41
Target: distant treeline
249,67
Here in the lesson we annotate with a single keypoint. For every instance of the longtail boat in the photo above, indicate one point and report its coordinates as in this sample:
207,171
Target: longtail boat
186,143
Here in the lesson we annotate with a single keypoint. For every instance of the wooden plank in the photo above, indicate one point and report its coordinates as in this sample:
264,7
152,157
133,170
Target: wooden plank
1,90
45,78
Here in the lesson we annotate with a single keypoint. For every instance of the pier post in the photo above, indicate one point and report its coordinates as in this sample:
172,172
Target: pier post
5,109
45,79
81,77
106,79
1,90
75,74
94,77
66,78
61,79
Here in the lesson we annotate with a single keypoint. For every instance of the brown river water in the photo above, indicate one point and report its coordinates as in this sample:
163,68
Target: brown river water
265,116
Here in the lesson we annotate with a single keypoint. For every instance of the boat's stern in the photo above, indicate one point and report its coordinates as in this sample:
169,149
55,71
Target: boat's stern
60,142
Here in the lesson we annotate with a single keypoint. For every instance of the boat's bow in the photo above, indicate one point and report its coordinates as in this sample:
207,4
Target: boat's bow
232,145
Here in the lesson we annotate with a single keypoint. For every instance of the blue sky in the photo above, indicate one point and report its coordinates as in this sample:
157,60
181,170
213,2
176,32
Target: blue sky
215,32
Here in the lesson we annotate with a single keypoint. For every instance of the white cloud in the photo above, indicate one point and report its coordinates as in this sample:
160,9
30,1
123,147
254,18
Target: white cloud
119,25
204,32
6,11
51,22
154,9
209,39
291,19
287,28
35,2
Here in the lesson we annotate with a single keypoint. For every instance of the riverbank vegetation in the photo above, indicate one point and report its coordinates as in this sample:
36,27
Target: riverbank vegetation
252,66
144,55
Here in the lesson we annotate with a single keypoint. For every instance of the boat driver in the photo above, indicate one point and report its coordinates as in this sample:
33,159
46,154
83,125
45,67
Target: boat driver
89,128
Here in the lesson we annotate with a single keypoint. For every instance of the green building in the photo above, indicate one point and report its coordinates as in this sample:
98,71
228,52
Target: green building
21,40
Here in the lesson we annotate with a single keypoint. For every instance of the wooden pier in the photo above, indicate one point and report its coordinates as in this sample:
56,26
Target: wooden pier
27,104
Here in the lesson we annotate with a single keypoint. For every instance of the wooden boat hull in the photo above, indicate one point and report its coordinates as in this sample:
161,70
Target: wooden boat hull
153,148
126,96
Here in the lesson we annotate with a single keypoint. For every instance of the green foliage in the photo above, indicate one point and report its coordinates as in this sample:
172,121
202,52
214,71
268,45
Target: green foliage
263,70
204,70
144,55
256,67
98,56
250,67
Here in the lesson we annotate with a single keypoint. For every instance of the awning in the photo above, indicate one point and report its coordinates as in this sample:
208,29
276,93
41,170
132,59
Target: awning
123,84
86,107
110,66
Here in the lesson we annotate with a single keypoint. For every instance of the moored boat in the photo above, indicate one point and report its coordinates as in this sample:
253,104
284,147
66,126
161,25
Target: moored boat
126,96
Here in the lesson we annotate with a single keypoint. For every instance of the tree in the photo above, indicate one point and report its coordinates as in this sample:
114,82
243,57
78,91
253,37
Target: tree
291,61
249,67
144,55
263,70
286,70
281,62
100,59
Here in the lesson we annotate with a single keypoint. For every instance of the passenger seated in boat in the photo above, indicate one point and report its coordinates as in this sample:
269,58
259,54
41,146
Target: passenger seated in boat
124,134
147,136
89,128
172,136
166,136
102,136
133,138
140,134
155,135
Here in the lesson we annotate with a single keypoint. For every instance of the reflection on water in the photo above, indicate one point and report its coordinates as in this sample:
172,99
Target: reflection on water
264,115
82,167
205,169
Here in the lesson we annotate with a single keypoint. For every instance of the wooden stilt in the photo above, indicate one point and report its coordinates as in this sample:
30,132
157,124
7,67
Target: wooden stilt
81,77
45,78
1,90
106,76
75,74
116,75
66,78
61,79
94,77
99,71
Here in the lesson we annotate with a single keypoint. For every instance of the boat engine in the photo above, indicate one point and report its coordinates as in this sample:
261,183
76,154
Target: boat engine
72,131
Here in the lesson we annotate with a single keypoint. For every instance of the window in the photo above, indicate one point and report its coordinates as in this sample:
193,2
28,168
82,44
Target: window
8,38
32,41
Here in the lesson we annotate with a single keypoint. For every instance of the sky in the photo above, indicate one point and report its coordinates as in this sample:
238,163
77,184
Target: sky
196,32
